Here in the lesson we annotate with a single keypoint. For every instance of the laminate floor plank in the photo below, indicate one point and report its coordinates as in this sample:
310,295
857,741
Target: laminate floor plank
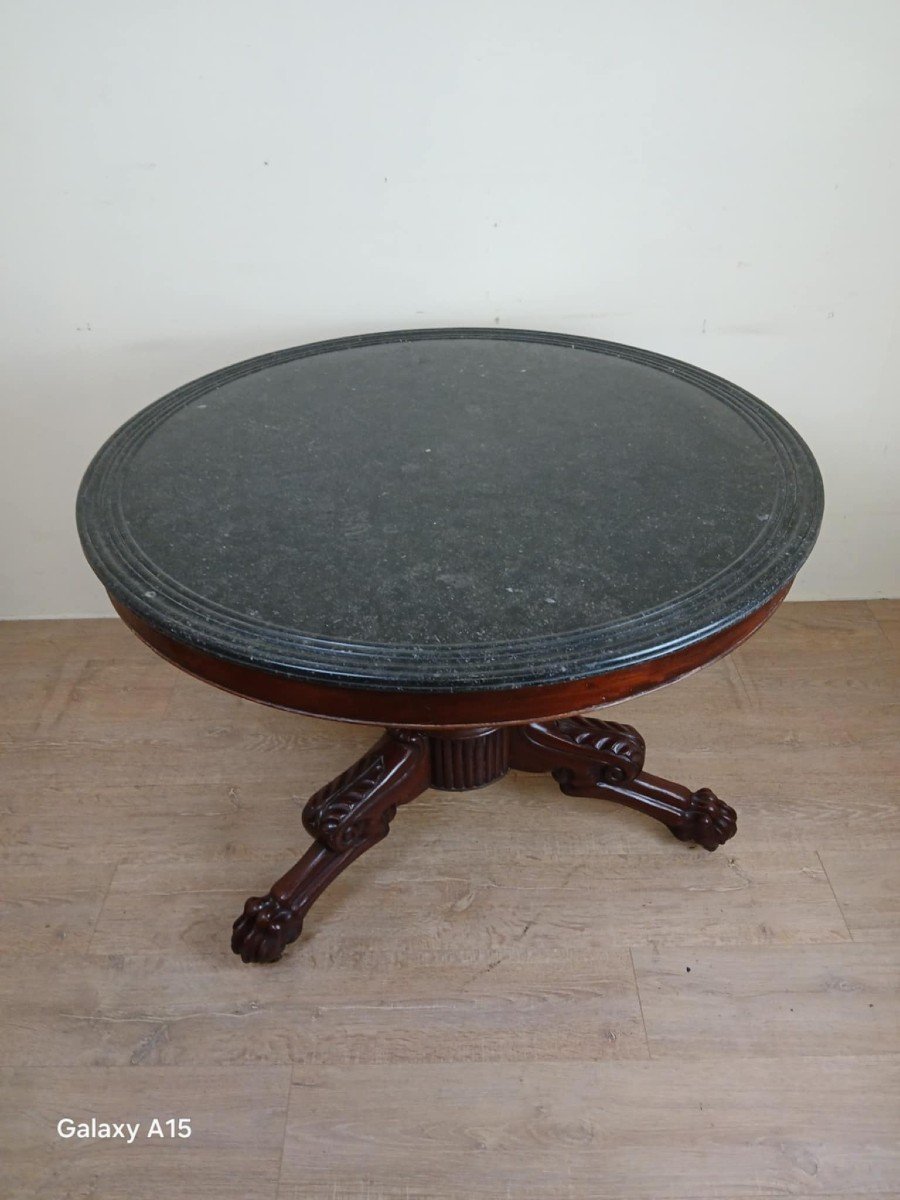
770,1001
867,887
471,907
177,1009
42,914
595,1131
237,1123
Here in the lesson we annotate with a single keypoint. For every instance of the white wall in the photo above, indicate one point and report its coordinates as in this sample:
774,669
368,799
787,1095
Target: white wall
191,183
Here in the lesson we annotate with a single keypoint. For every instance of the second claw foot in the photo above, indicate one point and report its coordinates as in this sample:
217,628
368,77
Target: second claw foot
709,821
264,929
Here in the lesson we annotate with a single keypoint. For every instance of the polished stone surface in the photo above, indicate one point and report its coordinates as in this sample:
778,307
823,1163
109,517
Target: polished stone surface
450,509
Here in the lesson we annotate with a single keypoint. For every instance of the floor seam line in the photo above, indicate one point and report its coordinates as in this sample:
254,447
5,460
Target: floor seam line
96,920
287,1109
834,895
640,1003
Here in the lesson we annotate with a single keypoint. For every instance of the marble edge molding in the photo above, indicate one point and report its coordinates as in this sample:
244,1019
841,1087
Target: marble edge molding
765,567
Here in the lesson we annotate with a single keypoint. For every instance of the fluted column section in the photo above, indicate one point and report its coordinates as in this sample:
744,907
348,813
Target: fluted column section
468,759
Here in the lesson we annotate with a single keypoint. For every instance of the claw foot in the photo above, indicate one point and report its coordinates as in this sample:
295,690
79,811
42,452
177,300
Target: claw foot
708,821
263,930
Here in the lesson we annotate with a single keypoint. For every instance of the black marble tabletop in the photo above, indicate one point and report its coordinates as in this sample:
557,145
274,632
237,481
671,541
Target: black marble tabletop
450,509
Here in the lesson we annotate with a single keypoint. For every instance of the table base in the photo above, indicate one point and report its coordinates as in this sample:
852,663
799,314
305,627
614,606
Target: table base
585,756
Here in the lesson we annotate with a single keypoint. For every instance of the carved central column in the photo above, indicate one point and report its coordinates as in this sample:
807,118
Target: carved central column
469,758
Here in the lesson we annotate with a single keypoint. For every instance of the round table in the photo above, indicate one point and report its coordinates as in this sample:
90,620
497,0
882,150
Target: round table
465,535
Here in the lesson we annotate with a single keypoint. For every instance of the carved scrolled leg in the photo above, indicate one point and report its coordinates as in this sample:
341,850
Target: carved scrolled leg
579,751
699,817
587,757
346,817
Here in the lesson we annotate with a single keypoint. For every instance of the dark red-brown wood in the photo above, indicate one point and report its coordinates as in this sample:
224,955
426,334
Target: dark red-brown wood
434,710
346,817
353,813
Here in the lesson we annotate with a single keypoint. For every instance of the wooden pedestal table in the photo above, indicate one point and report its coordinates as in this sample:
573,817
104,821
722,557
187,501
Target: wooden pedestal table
464,536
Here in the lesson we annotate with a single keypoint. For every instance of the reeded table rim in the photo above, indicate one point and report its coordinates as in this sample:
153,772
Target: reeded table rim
767,565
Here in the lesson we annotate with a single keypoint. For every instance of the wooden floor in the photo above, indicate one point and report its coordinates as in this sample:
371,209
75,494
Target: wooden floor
564,1004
